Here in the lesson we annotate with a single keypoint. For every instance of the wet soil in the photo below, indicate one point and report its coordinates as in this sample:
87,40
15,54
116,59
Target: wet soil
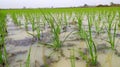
19,41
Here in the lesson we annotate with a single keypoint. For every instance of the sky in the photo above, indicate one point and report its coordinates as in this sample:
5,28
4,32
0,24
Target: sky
51,3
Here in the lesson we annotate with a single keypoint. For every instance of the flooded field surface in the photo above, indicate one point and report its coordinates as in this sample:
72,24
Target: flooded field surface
63,39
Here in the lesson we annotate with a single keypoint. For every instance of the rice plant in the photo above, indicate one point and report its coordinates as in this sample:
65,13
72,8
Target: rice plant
72,57
28,58
56,33
111,36
38,29
91,45
81,31
55,30
5,56
15,19
119,19
1,57
98,24
57,19
26,23
65,19
32,20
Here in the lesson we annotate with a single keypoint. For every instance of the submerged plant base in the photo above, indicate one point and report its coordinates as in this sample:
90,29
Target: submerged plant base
90,64
1,65
117,53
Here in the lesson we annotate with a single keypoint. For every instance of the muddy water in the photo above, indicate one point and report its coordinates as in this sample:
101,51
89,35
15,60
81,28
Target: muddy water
18,44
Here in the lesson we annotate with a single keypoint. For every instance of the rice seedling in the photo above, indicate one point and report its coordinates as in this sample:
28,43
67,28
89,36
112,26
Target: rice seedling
55,30
72,58
118,19
60,19
109,31
65,19
15,19
112,37
28,58
91,45
56,33
98,24
35,26
33,23
81,31
26,23
38,29
1,58
5,56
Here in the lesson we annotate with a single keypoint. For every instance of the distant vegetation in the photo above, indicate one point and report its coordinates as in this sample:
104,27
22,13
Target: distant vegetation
111,5
101,5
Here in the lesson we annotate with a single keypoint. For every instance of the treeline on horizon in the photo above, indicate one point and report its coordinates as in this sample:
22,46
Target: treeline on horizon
101,5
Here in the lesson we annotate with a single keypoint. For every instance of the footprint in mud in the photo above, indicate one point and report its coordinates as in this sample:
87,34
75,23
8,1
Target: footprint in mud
23,42
68,45
117,53
20,52
47,61
102,48
19,60
46,36
118,35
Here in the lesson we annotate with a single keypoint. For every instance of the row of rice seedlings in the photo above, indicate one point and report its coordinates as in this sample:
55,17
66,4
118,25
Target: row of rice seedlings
109,31
3,32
